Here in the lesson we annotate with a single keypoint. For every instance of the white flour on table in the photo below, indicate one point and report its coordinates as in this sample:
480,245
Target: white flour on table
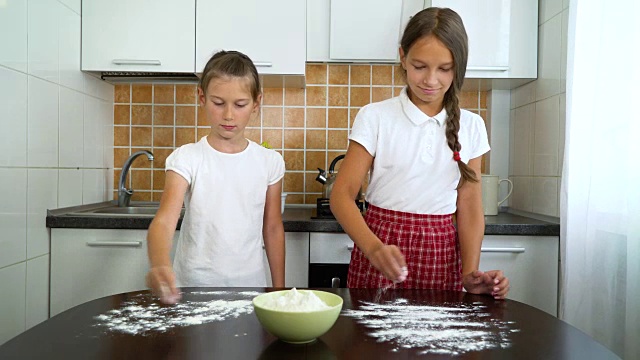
451,330
139,316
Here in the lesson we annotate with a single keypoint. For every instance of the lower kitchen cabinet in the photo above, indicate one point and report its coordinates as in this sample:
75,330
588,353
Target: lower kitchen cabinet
530,263
296,270
87,264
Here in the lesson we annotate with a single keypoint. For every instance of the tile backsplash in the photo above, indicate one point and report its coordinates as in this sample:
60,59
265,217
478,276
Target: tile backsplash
308,126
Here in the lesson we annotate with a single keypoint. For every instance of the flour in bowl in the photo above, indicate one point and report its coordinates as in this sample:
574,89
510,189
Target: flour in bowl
294,300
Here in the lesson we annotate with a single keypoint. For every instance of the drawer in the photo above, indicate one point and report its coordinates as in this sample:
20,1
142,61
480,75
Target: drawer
330,248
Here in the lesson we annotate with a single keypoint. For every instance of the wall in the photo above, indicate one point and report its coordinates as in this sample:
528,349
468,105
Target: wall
308,126
538,119
55,146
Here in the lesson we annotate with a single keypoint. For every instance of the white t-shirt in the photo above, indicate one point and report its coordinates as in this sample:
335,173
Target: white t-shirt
413,168
220,242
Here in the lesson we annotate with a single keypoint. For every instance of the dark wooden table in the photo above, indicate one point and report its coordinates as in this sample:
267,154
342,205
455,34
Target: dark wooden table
73,334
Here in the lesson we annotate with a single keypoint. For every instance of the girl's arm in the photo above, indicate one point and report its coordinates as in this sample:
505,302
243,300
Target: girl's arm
353,169
161,278
273,233
470,221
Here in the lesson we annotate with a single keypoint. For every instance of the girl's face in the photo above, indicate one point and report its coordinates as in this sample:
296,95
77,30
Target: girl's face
430,70
229,106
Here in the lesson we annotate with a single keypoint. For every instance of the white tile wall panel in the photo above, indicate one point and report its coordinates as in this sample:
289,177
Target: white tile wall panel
71,128
13,216
37,299
546,137
12,311
43,39
42,194
69,187
13,117
13,35
69,49
42,124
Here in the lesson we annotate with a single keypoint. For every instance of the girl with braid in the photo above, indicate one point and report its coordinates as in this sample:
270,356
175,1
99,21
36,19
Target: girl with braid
424,155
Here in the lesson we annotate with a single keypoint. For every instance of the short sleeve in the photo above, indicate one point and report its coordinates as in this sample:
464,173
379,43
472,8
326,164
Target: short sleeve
365,130
277,168
179,161
480,139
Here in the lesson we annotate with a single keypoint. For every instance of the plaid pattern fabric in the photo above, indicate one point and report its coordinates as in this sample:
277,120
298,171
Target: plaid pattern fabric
429,244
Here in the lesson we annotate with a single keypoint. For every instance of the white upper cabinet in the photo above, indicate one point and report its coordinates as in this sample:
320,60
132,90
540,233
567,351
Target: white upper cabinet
271,33
357,30
138,36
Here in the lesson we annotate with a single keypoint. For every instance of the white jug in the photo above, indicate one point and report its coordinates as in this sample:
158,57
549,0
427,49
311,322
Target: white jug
490,191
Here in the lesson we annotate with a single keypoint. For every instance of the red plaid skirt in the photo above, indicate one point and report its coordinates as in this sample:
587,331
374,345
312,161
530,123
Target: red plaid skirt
429,244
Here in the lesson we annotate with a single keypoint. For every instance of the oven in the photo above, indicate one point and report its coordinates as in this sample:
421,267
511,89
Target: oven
329,257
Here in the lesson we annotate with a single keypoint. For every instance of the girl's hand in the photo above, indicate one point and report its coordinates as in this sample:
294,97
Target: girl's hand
390,261
162,282
491,282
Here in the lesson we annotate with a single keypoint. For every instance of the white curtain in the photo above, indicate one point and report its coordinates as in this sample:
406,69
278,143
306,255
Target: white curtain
600,199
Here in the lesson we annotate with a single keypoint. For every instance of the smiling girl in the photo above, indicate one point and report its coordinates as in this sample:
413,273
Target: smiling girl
424,155
231,191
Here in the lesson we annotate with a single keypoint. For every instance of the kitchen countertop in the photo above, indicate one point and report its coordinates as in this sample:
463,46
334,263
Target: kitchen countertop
495,330
294,220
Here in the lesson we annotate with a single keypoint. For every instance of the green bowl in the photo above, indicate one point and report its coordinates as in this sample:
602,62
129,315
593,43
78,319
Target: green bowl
297,327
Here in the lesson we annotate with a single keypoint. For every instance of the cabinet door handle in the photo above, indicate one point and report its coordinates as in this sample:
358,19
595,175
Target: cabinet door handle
135,62
115,243
350,247
487,68
263,64
503,249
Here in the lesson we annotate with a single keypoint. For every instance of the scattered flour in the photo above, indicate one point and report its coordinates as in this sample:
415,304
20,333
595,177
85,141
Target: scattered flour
140,316
450,330
294,300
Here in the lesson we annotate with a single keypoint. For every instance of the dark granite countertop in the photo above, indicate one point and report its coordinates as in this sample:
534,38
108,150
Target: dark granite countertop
294,220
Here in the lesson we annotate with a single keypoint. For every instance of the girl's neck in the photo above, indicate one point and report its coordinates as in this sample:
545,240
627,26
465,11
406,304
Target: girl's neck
431,109
227,146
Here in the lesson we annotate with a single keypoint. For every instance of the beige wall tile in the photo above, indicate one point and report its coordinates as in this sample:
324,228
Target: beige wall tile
316,95
121,114
140,162
272,96
469,100
141,195
201,117
273,137
120,155
185,116
251,134
310,183
121,135
163,136
381,75
483,99
316,74
312,198
315,160
316,139
352,115
122,93
141,94
186,94
163,115
293,139
338,118
294,160
360,96
331,155
272,116
316,117
338,75
160,157
141,115
293,182
158,179
140,179
140,136
338,96
294,97
337,139
163,94
255,120
381,93
185,135
397,90
295,199
360,74
293,117
398,76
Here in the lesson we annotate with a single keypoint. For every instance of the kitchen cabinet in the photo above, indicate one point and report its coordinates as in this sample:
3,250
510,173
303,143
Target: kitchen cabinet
138,36
271,33
357,30
87,264
296,270
329,257
530,263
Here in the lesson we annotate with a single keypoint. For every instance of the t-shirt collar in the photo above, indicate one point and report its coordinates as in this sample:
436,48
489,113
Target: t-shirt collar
415,114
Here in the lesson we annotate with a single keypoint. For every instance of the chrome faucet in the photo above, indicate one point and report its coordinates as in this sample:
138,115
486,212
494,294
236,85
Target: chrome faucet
124,194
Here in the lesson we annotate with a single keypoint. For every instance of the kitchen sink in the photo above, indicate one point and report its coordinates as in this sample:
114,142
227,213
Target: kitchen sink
136,210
